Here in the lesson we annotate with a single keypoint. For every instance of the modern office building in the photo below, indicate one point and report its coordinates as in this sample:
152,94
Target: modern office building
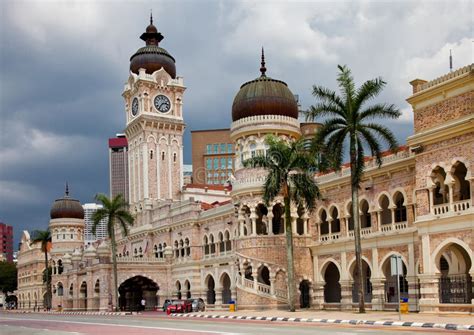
101,231
118,166
6,241
212,155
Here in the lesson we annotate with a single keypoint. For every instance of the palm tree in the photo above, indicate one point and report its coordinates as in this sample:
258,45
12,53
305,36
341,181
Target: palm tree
116,212
348,117
289,168
44,237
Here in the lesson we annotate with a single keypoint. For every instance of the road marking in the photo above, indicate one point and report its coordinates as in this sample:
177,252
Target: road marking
119,325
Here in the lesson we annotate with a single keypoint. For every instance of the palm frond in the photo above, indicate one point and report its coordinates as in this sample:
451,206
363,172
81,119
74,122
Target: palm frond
372,143
320,110
305,191
380,111
346,84
367,91
384,134
328,96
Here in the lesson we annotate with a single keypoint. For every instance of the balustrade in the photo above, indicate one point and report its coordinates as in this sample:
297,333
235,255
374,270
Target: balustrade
329,237
459,206
440,209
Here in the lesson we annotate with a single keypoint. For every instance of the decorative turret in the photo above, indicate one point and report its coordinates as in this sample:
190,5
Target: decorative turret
151,57
264,96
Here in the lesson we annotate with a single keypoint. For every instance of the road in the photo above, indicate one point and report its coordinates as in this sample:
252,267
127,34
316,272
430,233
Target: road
44,324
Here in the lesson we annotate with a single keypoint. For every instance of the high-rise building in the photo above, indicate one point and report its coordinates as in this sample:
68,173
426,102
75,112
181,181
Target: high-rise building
213,156
6,241
101,231
118,166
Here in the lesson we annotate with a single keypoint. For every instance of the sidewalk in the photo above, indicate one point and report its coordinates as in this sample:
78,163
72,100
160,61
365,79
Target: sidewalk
452,321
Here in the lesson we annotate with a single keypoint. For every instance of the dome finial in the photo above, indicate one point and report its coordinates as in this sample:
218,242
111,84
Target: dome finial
67,190
151,16
263,69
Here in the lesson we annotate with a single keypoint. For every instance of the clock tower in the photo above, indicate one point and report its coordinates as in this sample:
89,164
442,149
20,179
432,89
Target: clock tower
154,114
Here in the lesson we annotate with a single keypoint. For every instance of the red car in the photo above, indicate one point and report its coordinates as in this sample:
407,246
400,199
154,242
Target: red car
179,306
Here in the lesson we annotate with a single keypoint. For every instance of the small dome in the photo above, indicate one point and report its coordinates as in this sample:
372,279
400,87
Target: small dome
67,208
151,57
264,96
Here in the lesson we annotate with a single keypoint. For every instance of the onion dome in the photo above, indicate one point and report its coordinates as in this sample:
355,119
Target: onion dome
67,259
76,255
103,249
67,208
264,96
151,57
90,252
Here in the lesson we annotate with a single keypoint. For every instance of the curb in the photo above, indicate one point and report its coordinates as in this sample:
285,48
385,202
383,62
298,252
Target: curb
447,326
77,313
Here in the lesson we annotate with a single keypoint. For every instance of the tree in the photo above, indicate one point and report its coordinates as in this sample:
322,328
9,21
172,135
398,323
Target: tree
290,175
44,237
116,212
348,118
8,277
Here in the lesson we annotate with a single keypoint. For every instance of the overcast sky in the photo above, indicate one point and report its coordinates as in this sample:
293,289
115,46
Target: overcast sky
63,65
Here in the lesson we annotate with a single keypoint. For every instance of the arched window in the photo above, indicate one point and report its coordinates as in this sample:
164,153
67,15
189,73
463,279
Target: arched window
188,248
365,217
206,245
324,229
228,243
151,154
400,209
60,290
386,213
335,223
253,149
60,267
155,251
176,249
212,244
181,247
221,242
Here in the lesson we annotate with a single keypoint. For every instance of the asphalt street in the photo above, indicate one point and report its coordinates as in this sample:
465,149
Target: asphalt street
44,324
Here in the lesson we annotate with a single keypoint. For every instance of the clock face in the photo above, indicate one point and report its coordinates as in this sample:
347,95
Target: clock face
162,103
135,107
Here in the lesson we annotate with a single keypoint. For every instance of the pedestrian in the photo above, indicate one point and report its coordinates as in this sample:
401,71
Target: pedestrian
143,303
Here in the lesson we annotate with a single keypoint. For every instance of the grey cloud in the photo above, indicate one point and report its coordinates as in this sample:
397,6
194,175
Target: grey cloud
63,65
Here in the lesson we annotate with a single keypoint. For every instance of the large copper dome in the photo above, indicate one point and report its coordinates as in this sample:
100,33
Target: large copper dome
67,208
264,96
151,57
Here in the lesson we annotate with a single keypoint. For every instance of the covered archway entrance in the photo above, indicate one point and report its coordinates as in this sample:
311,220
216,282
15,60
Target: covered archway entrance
455,283
211,293
83,297
391,293
332,288
133,290
305,297
366,284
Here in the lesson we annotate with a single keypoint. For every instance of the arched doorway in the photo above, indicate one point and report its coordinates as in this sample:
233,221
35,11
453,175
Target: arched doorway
178,290
455,283
187,287
83,296
97,295
263,275
134,289
366,284
211,293
391,293
226,293
332,288
305,297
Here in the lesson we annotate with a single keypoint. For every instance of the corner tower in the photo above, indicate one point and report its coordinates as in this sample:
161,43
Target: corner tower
153,105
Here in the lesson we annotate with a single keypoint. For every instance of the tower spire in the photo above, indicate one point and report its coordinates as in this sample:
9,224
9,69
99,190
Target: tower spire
450,61
151,16
67,189
263,69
